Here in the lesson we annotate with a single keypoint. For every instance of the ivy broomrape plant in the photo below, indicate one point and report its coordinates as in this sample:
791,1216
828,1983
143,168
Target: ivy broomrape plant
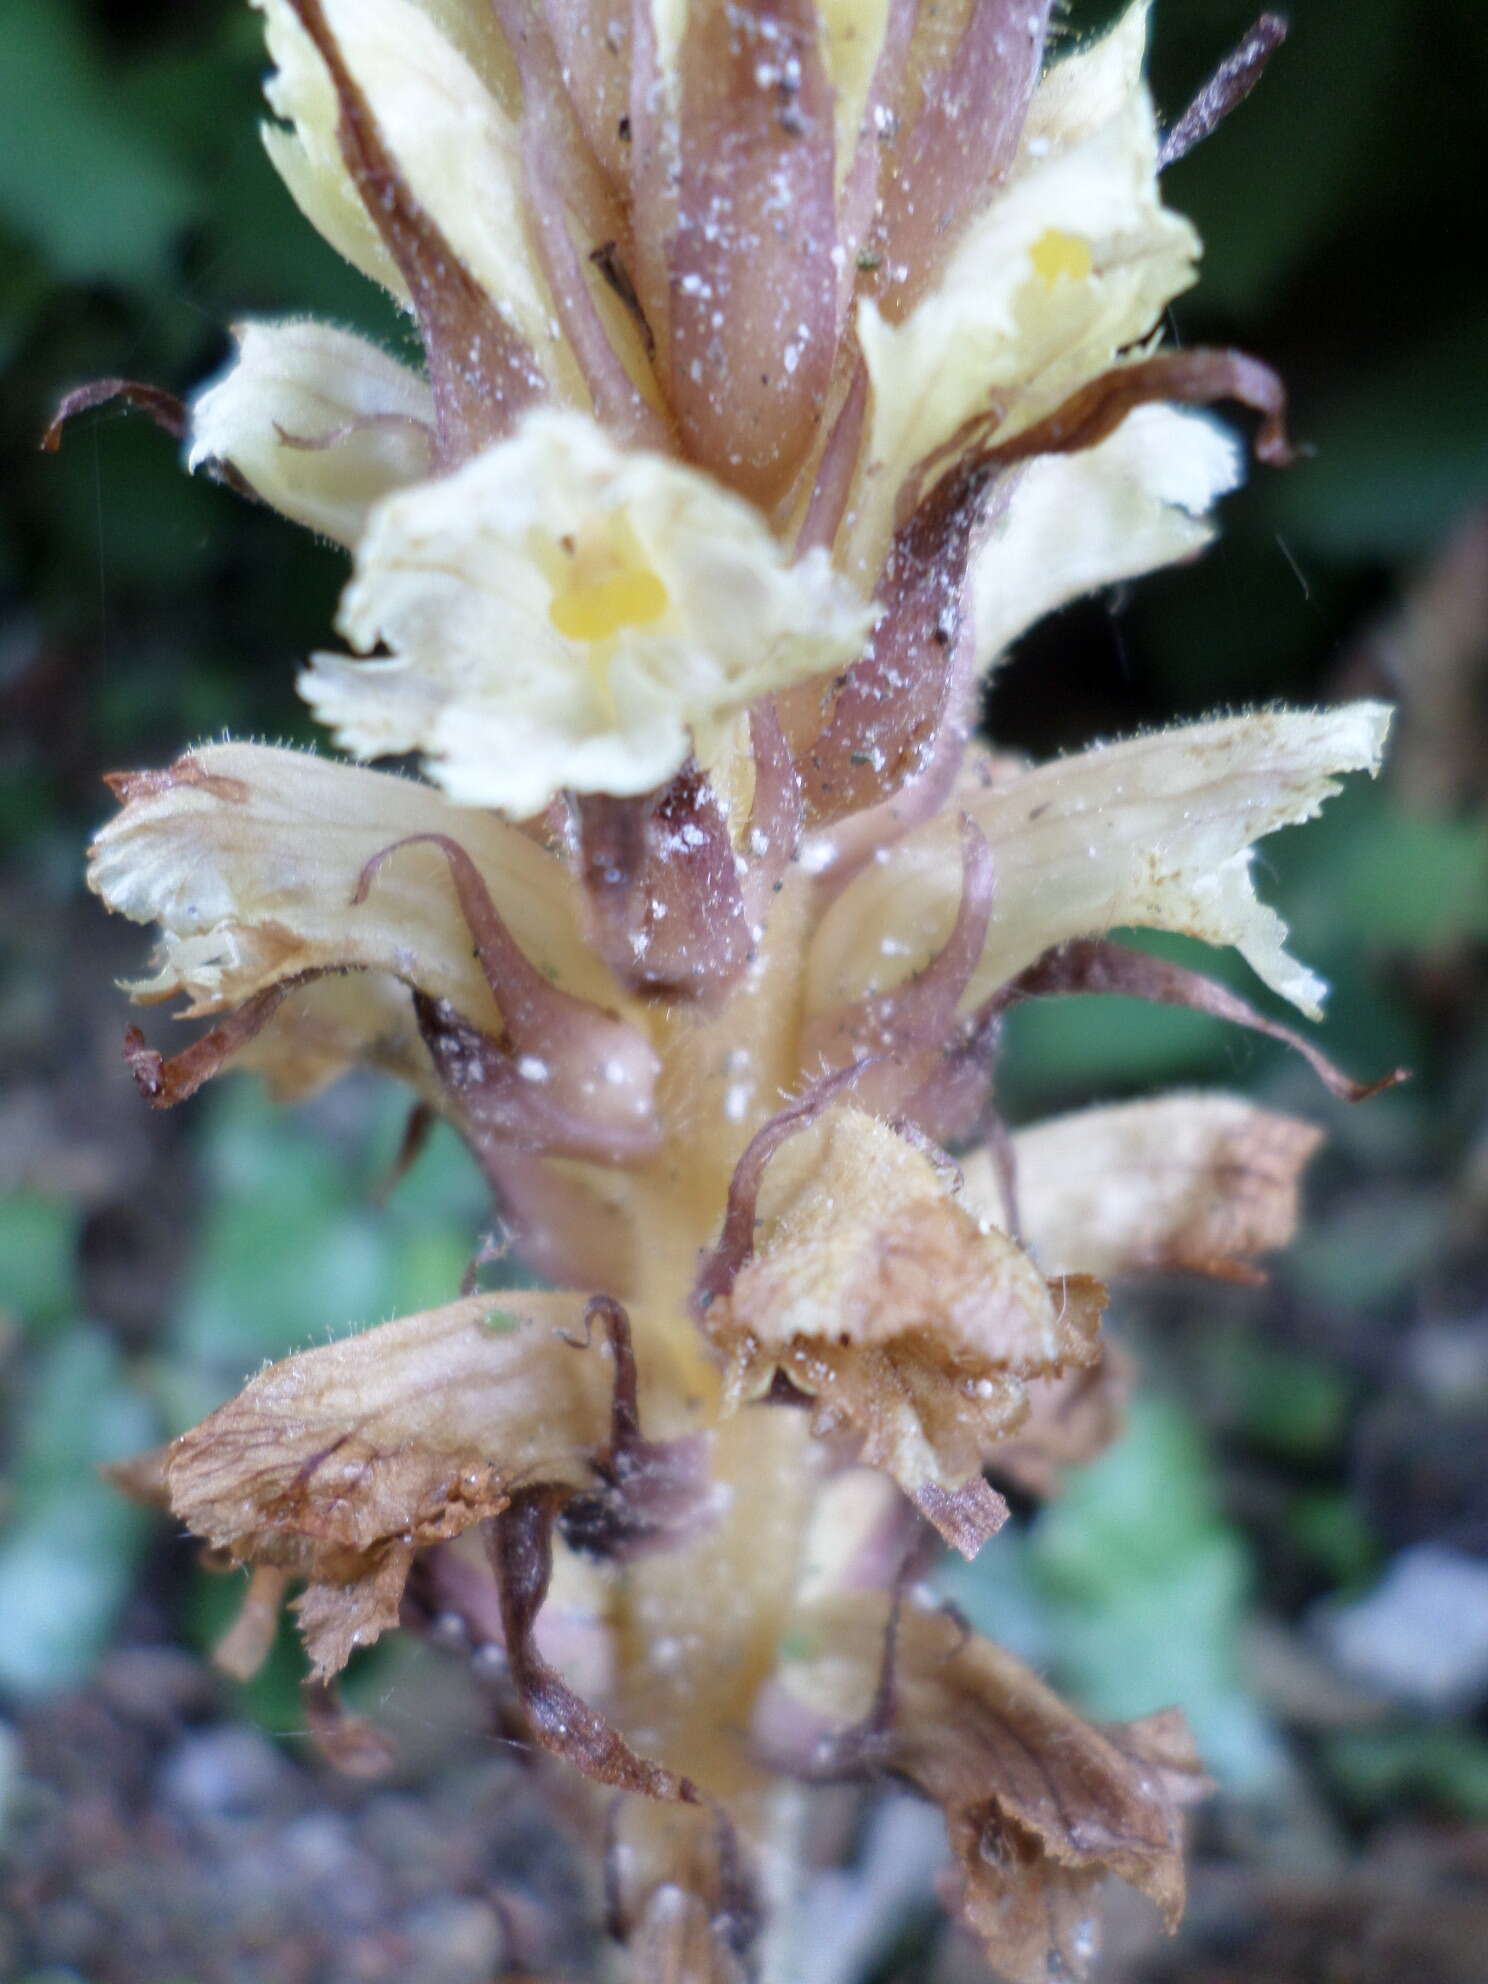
784,360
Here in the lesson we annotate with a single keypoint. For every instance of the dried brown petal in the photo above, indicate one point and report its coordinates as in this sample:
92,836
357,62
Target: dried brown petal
1040,1805
1197,1183
912,1324
1071,1421
163,1083
336,1465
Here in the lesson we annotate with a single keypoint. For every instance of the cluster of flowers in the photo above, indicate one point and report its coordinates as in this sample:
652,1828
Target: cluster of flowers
784,360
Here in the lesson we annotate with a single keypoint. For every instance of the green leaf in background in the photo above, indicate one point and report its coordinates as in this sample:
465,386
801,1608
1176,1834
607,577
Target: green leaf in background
1144,1587
38,1245
1295,1405
1396,880
1435,1764
68,1557
295,1247
92,189
1333,1533
1400,451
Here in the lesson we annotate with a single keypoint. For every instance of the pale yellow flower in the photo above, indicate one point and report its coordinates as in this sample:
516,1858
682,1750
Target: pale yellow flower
564,612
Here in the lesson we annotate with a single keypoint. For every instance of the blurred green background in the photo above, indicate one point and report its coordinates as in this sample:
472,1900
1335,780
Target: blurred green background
1303,1452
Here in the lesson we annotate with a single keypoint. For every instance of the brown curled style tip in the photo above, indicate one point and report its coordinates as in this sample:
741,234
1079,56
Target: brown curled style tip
521,1544
666,905
1092,965
566,1075
165,409
719,1265
1229,86
164,1081
481,373
650,1495
187,771
907,1028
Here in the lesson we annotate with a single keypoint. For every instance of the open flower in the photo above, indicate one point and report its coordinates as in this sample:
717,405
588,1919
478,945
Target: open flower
782,363
562,612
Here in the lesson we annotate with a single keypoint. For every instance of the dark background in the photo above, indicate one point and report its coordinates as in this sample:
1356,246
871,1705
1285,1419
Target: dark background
1299,1448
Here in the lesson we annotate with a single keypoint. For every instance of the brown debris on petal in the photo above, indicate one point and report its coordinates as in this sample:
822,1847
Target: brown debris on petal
912,1325
1040,1806
1093,965
522,1552
481,373
336,1465
163,1083
1229,86
187,772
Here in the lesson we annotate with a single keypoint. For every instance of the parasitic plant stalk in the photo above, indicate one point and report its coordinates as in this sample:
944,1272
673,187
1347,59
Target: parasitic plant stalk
784,360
